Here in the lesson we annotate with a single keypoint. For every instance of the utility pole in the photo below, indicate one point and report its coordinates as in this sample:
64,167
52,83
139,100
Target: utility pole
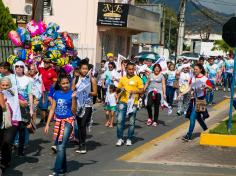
170,26
180,42
37,14
162,34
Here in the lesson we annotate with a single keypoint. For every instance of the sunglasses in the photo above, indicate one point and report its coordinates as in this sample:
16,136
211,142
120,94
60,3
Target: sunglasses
19,66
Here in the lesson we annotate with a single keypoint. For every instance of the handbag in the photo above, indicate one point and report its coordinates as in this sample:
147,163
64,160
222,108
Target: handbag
200,104
176,84
31,126
7,116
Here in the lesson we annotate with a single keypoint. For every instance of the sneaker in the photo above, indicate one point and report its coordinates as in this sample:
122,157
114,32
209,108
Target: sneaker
149,122
154,124
82,149
224,90
54,149
170,110
120,142
228,89
128,142
186,138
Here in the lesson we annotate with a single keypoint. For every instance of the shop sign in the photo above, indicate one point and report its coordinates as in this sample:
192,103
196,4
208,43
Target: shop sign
112,14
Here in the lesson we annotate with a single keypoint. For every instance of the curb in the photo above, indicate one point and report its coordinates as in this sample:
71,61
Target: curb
220,140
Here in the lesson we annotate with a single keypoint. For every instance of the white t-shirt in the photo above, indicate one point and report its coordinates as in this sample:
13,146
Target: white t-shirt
111,99
184,78
198,85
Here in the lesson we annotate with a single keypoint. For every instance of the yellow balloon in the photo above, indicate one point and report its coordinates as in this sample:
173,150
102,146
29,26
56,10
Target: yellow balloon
11,59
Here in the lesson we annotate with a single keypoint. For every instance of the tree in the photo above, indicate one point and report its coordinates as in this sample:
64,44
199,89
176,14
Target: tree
6,22
223,46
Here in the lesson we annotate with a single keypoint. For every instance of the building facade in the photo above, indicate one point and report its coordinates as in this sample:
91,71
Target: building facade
96,26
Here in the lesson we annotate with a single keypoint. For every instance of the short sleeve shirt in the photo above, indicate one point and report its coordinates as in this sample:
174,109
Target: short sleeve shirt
63,104
47,77
156,82
198,85
24,86
129,84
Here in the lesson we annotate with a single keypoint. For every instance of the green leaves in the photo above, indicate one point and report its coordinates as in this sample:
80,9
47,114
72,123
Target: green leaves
6,22
221,45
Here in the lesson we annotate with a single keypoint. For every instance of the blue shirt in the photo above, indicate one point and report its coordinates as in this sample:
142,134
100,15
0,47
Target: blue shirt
229,65
63,104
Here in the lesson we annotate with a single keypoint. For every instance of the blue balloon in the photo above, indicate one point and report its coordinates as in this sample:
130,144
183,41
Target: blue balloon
24,35
22,54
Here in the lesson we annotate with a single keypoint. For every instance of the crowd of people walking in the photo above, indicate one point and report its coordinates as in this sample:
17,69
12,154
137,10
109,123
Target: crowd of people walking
66,99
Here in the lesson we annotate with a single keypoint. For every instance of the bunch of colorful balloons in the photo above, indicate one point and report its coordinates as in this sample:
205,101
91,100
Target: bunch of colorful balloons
38,41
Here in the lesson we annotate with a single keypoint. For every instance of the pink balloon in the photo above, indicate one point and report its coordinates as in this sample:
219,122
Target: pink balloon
41,27
33,28
15,38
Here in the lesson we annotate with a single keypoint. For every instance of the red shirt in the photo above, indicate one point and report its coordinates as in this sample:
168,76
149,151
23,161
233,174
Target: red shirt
47,76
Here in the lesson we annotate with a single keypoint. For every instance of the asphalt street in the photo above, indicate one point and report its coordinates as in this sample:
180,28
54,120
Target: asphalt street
102,156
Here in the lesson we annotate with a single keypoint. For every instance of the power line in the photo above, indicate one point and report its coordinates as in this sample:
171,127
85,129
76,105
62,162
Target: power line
205,13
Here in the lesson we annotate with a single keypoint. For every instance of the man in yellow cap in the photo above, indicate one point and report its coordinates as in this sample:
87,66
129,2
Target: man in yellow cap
110,58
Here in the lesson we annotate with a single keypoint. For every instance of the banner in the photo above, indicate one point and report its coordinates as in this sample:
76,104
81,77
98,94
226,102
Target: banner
120,58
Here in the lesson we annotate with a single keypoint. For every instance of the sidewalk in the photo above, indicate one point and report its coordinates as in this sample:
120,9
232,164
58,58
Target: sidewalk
169,149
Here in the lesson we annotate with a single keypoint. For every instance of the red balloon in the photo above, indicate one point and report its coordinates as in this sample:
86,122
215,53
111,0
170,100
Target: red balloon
68,40
46,41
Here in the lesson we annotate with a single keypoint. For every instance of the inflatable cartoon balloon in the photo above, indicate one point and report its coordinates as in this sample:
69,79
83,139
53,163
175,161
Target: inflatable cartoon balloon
12,59
33,28
24,36
37,44
68,68
22,54
46,41
68,40
51,30
41,27
53,55
15,38
60,45
61,61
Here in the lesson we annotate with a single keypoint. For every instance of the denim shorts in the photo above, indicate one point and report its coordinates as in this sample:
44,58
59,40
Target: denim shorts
44,105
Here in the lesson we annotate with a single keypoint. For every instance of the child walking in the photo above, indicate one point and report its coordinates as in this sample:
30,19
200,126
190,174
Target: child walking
111,100
64,108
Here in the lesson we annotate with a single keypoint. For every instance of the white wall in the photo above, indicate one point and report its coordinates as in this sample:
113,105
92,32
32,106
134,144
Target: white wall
15,6
78,16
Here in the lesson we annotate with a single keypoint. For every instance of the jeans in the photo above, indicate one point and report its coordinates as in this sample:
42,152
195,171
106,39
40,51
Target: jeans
60,163
156,103
228,78
210,93
121,117
170,93
195,115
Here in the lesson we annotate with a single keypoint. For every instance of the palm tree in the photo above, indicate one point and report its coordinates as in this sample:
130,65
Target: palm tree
223,46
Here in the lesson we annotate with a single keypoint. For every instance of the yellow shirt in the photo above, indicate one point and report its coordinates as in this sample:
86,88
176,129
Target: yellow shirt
132,84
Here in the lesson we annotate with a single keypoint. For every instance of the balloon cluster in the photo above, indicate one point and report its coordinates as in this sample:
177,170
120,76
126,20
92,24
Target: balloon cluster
38,41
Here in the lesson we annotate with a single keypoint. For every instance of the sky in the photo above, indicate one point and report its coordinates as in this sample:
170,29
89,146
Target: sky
225,6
